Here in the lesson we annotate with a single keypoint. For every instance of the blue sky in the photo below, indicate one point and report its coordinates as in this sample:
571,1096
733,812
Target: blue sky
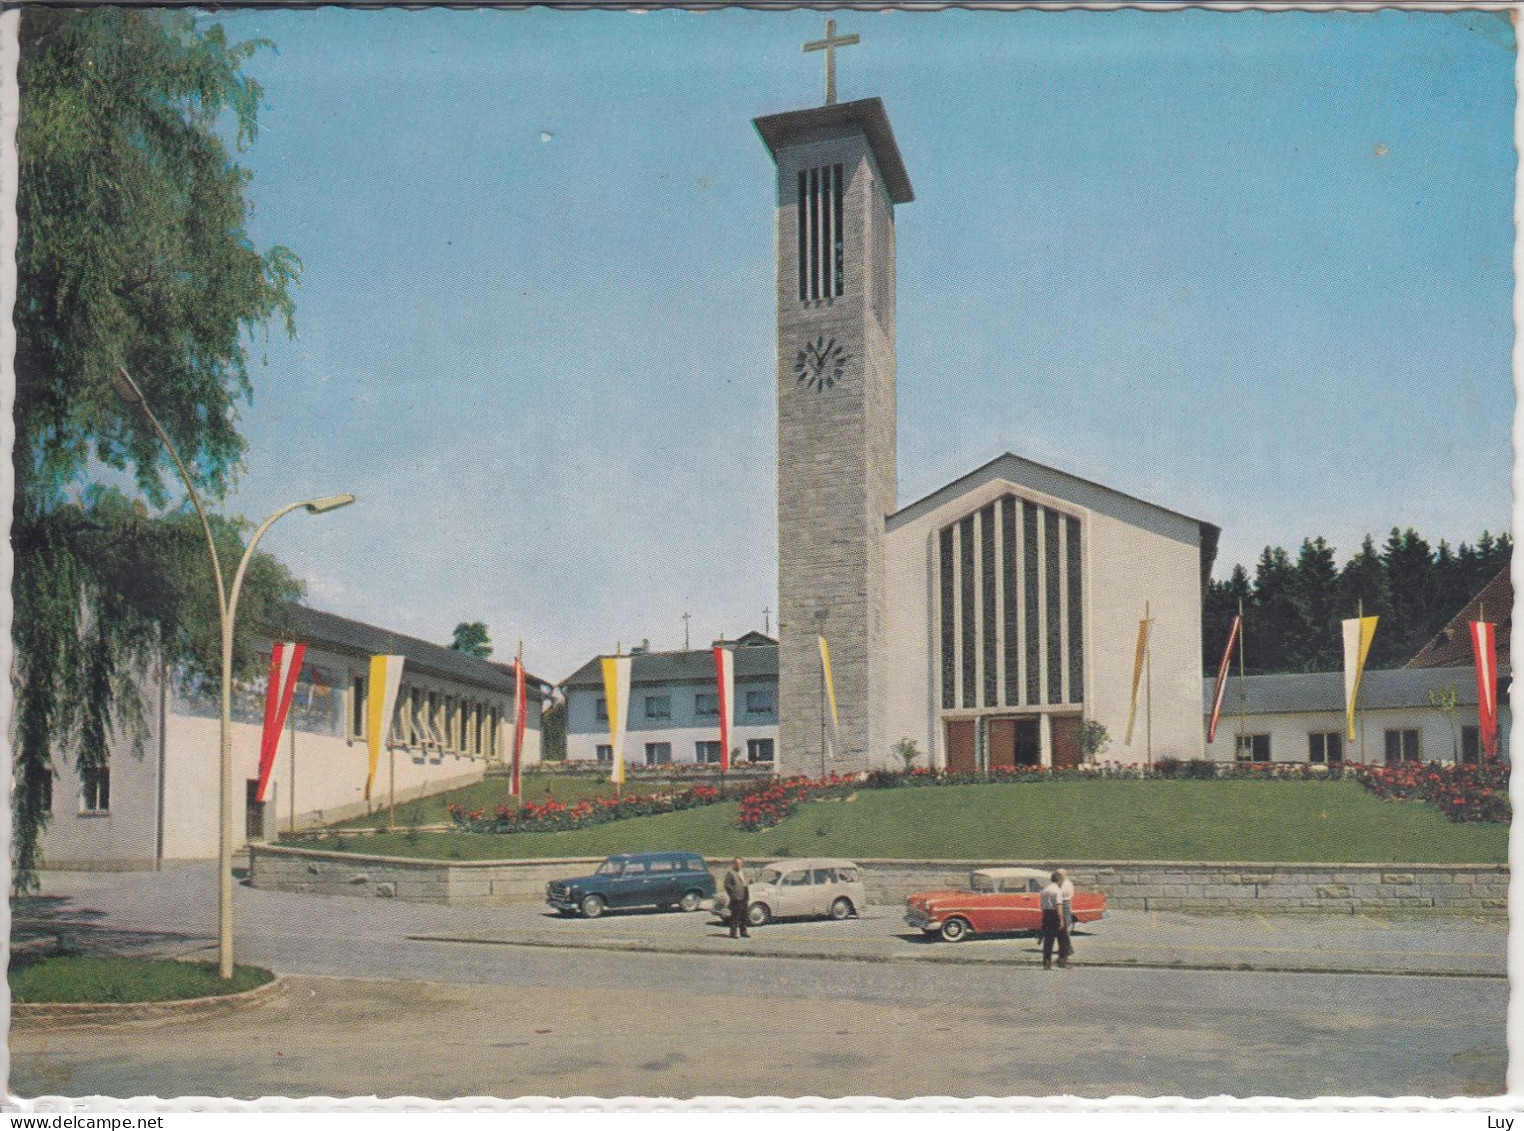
1253,267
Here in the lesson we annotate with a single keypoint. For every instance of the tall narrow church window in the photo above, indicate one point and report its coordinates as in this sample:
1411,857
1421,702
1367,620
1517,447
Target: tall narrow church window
1030,572
804,236
966,591
1054,634
1012,581
838,251
987,603
949,680
820,238
1076,616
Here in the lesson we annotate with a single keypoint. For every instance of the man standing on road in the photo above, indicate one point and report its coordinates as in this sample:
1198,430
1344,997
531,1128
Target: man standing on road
1051,901
738,891
1066,893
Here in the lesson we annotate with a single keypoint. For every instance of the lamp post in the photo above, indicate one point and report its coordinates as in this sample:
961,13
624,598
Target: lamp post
227,611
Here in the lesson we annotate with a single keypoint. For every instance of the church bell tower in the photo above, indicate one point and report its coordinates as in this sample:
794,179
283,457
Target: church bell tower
839,177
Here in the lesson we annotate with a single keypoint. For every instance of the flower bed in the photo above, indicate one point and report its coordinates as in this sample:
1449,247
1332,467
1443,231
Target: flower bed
1462,793
557,816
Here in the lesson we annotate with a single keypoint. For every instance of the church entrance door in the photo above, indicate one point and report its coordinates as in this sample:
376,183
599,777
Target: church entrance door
960,746
1066,745
1014,742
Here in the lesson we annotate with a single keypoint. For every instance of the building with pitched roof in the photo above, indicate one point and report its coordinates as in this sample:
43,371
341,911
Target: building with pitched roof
157,803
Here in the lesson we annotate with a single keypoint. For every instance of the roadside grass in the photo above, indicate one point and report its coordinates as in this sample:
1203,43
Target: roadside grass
491,792
84,978
1286,821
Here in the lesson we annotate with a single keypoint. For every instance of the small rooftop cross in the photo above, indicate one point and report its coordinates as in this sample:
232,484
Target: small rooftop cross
829,45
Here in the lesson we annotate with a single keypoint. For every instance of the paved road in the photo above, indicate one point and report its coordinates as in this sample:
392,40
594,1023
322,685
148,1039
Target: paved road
372,1011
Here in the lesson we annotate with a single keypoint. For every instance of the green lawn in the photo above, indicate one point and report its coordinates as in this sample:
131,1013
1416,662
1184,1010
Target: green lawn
78,978
491,792
1059,820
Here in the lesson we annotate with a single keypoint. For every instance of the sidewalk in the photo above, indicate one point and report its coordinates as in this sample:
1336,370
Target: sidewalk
1451,946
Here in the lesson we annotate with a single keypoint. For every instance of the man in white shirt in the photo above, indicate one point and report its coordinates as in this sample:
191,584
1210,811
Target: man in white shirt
1051,900
1066,891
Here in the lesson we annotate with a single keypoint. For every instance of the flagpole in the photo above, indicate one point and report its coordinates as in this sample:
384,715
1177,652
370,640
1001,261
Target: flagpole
822,717
291,722
1243,683
391,804
1360,616
1148,684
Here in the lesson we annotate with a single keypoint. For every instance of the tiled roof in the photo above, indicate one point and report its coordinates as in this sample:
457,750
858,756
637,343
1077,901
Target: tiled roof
1451,648
1307,692
758,661
345,635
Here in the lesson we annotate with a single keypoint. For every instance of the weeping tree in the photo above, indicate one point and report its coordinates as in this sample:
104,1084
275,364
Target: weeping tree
131,251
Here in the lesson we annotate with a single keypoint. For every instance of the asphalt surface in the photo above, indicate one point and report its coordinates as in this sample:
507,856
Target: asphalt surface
390,999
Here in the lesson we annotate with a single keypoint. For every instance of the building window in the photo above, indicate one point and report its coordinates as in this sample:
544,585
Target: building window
605,754
436,728
401,730
658,753
1471,744
95,789
822,251
658,706
706,753
601,709
357,707
452,734
759,750
706,704
761,701
494,721
1252,748
1324,747
1402,746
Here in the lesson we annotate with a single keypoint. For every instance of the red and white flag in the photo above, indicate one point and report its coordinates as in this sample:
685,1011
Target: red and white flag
725,683
1484,650
1222,677
285,666
518,723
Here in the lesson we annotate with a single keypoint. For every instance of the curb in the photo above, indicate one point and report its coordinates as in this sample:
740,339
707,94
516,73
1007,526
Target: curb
138,1014
954,959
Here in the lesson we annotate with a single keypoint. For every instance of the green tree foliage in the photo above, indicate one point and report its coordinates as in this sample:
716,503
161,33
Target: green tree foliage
472,640
1293,609
553,732
131,251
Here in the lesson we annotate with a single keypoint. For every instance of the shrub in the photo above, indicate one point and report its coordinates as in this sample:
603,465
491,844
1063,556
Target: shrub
1167,767
1199,769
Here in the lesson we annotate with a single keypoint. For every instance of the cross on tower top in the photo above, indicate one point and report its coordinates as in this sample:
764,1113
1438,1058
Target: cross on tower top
829,45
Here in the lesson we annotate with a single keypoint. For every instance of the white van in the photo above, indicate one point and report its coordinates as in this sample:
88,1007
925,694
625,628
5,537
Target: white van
792,888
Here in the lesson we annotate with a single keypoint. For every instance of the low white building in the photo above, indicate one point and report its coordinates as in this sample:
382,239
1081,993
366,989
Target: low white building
454,718
674,708
1301,718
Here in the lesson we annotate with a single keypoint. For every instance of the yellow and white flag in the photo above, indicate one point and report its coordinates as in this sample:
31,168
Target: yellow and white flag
380,702
830,689
616,694
1139,659
1358,632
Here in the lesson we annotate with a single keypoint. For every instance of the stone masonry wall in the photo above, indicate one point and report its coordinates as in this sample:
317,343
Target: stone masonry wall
1129,885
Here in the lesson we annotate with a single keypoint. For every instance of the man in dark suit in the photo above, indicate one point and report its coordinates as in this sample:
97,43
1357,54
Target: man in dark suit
738,891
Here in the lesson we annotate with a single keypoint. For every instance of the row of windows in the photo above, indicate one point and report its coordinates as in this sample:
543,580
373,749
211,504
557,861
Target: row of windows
1400,744
708,753
433,720
94,790
706,704
822,247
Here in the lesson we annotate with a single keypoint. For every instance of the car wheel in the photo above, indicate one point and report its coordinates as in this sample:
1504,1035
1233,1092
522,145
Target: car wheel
841,908
955,930
593,906
690,901
758,914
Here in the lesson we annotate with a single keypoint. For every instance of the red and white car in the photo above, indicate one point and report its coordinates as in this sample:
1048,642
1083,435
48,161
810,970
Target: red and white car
1000,900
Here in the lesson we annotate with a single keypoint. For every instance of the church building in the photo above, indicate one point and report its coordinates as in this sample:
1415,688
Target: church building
988,621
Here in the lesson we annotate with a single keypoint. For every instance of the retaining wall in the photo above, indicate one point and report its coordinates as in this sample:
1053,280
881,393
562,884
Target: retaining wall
1134,885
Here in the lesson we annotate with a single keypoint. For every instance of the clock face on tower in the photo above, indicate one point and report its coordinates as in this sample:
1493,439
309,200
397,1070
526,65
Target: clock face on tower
820,364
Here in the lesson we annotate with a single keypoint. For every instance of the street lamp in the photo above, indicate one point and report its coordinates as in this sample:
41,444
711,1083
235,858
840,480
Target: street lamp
227,611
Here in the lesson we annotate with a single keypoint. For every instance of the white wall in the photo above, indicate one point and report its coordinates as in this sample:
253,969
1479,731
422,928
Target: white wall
1288,732
1125,565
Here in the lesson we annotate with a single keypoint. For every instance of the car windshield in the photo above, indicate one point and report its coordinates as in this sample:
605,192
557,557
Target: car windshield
769,876
610,868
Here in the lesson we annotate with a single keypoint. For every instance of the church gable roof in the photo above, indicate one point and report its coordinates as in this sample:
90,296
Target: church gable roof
1061,485
758,661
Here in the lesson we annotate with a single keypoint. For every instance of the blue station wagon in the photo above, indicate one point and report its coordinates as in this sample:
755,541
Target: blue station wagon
636,879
